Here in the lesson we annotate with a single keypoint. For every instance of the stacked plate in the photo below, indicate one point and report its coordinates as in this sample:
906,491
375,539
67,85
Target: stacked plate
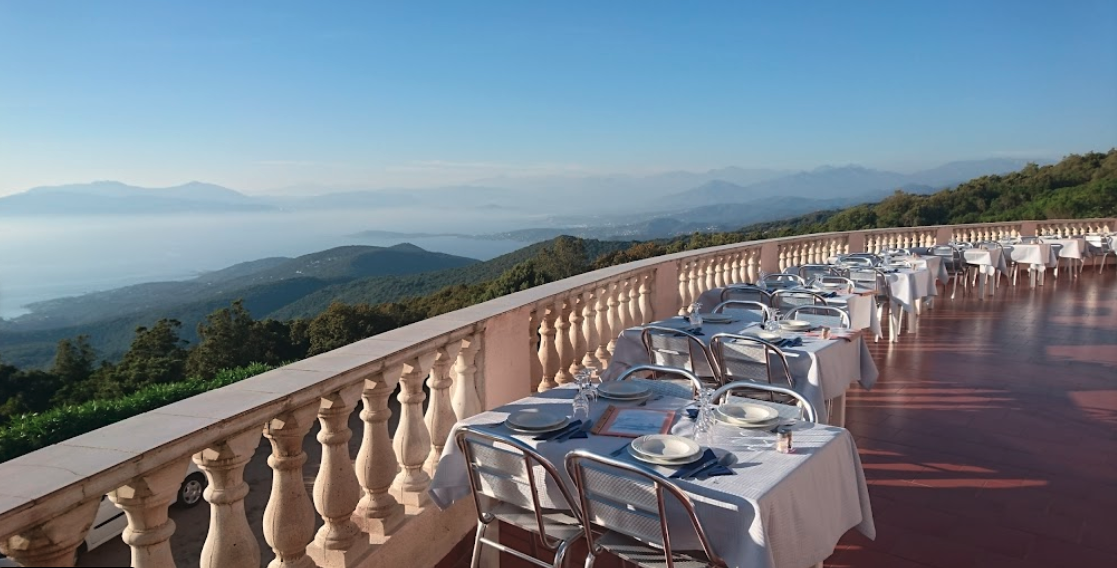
768,335
536,421
746,415
622,390
665,449
717,318
796,325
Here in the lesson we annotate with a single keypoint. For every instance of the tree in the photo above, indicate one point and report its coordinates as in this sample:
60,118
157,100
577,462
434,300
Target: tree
225,342
157,356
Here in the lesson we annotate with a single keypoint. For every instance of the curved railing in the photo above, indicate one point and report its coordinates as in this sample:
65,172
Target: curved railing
374,510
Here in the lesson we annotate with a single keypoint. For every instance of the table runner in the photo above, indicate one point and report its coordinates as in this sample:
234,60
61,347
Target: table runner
778,511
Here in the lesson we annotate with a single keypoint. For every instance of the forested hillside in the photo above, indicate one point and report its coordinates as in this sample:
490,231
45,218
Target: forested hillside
238,334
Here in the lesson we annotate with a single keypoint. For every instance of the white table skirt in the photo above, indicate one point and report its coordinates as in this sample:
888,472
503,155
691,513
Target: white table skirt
1038,255
907,285
1072,248
778,511
822,369
988,261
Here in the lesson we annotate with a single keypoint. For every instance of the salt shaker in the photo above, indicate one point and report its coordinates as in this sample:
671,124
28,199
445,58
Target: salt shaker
783,441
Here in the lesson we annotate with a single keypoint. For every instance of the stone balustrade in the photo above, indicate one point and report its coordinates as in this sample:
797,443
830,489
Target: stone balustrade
372,508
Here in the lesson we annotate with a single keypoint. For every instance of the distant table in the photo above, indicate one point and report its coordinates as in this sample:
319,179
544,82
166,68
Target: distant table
822,369
1037,256
988,263
861,307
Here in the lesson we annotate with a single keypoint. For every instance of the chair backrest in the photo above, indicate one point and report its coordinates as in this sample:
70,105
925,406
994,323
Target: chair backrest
859,259
835,283
506,469
896,252
664,373
809,271
1099,243
671,347
746,293
786,299
831,316
731,306
951,257
779,280
868,278
631,500
1028,240
740,357
808,408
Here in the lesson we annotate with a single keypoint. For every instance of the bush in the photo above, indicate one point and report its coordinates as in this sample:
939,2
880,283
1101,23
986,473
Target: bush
34,431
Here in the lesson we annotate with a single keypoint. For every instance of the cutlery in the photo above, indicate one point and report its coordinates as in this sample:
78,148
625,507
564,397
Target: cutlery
568,435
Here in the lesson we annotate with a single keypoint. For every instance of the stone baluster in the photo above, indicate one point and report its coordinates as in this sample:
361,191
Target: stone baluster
604,332
781,255
754,266
589,329
645,291
683,267
634,316
146,500
577,335
378,512
466,400
719,271
289,515
698,281
336,489
623,298
548,352
55,542
711,281
440,416
230,541
534,335
412,440
733,274
562,342
614,317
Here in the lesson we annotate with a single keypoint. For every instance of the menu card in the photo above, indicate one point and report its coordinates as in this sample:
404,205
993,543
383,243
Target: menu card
629,422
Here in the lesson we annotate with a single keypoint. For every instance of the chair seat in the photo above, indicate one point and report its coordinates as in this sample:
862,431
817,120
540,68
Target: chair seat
642,554
557,523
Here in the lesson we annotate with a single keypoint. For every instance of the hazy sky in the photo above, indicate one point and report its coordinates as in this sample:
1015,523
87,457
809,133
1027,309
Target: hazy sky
259,95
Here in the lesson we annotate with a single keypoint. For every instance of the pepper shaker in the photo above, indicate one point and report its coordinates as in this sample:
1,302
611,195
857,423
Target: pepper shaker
783,441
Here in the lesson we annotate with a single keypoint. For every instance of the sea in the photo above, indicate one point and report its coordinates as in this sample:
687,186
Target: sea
42,258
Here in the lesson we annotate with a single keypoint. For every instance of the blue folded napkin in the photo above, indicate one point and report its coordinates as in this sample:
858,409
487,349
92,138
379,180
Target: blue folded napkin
575,425
702,467
789,342
829,294
691,413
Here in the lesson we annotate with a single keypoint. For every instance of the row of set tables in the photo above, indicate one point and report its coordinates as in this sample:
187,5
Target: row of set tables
767,509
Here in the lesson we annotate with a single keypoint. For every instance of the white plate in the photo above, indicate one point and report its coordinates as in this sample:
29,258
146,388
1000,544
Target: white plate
795,324
728,421
747,413
666,447
622,390
769,335
658,461
717,318
535,420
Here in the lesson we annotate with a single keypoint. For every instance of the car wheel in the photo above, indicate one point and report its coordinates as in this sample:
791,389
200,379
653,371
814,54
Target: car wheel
190,493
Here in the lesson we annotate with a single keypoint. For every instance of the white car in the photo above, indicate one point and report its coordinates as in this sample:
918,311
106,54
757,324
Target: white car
110,520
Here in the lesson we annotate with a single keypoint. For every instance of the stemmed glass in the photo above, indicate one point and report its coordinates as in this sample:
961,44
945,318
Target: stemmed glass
705,420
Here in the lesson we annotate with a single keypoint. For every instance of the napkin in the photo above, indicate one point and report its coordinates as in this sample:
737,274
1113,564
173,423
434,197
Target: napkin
575,425
691,413
708,457
789,342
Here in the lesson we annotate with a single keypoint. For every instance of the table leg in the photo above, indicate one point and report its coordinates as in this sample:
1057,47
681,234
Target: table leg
837,411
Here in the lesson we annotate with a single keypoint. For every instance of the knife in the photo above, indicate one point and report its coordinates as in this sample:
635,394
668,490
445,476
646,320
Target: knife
585,427
723,460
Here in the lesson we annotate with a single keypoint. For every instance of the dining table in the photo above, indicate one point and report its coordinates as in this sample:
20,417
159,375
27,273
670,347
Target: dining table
988,263
859,304
1038,256
822,369
768,510
1074,249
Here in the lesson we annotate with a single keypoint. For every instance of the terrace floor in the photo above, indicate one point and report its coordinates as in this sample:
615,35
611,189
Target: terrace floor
990,439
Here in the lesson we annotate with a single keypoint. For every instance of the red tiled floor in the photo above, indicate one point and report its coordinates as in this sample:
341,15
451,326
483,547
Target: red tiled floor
991,437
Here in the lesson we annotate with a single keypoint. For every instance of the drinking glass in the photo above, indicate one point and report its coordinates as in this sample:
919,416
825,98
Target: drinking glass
580,409
705,421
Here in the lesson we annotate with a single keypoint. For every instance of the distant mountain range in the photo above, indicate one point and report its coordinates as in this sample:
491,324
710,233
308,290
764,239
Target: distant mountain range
586,196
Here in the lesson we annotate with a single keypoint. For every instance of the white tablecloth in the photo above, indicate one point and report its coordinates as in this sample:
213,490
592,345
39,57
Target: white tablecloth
907,285
1072,248
778,511
862,309
933,264
1039,255
989,261
821,369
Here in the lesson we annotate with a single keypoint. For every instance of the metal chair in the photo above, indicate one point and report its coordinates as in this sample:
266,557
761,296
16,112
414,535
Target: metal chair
786,299
731,306
779,281
808,409
954,263
1029,240
630,502
502,477
896,252
741,357
1100,245
673,376
831,316
746,293
809,272
840,284
671,347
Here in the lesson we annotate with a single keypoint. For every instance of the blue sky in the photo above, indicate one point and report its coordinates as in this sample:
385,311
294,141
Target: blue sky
260,95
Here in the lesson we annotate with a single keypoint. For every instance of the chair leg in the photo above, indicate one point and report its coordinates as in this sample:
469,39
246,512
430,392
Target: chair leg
473,563
560,555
